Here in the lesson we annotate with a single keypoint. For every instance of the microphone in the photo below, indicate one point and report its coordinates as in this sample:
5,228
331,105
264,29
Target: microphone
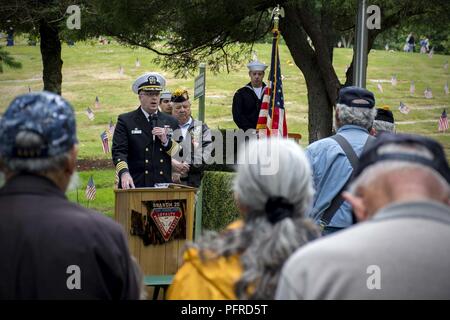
153,119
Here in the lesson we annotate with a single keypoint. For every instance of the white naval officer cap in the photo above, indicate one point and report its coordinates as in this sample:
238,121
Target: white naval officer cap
255,65
150,81
166,95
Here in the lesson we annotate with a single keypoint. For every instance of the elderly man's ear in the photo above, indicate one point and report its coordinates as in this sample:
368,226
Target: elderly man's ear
358,206
72,163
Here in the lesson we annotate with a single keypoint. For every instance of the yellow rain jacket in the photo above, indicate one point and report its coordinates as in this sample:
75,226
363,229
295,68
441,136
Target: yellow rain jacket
213,279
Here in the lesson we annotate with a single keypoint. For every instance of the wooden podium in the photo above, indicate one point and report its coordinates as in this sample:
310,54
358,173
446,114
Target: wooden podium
158,259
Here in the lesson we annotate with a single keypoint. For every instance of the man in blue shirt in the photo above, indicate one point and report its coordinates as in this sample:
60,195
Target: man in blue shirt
331,167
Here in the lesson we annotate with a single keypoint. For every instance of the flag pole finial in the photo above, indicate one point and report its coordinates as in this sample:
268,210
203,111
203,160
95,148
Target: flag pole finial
276,13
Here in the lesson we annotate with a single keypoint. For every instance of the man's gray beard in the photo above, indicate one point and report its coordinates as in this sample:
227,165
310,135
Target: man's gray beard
74,182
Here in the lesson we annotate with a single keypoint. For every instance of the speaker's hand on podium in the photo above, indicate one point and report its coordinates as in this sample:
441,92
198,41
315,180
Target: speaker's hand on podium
127,181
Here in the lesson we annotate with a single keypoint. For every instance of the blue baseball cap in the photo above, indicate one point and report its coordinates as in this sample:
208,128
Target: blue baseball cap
356,97
44,113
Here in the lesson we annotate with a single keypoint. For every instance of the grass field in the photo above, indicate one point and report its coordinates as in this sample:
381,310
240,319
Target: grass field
92,70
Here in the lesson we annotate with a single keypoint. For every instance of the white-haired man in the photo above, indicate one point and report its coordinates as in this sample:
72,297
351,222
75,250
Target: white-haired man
333,158
400,251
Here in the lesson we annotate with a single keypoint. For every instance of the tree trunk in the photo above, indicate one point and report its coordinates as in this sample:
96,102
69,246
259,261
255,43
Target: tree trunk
314,64
51,57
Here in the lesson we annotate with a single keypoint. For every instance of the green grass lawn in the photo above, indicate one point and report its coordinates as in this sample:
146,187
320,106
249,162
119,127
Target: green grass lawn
92,70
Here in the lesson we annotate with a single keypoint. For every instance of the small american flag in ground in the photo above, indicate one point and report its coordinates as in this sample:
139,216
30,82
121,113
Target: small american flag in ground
97,102
90,114
446,88
380,87
403,108
443,121
394,80
105,143
111,127
412,88
90,189
428,93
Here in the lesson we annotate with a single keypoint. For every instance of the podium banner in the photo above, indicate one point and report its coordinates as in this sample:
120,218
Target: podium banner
165,220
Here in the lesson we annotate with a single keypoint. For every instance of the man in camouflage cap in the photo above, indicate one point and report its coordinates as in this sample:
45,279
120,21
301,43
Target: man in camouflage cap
53,248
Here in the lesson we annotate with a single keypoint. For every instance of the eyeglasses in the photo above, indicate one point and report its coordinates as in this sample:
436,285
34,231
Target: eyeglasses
149,93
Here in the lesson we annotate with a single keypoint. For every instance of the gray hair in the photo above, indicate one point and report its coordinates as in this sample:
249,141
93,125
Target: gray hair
362,117
31,140
264,247
380,125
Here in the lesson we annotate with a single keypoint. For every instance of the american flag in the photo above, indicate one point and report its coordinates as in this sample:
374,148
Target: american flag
97,102
443,121
138,63
90,189
90,114
105,144
446,88
412,88
428,93
272,116
394,80
111,127
403,108
380,87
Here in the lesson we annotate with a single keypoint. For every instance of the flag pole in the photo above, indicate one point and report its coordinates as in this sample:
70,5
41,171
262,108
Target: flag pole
276,34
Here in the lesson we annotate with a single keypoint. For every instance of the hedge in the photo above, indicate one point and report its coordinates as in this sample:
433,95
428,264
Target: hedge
219,208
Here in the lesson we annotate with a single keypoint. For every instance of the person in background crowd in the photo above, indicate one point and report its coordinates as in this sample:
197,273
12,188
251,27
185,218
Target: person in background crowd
384,121
332,159
244,261
52,248
399,250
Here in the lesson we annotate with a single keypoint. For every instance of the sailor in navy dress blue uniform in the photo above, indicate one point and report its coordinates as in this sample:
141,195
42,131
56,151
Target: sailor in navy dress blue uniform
247,100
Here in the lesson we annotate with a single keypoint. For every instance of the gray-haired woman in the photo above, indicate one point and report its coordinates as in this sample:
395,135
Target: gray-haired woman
273,189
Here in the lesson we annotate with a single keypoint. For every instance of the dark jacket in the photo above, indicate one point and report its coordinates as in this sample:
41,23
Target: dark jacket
133,149
42,235
246,107
198,153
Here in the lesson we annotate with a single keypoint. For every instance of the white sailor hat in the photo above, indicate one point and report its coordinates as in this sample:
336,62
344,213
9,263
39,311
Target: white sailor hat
255,65
166,95
150,81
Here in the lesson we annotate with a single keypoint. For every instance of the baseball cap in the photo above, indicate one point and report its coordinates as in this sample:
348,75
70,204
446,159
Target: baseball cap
44,113
438,163
356,97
